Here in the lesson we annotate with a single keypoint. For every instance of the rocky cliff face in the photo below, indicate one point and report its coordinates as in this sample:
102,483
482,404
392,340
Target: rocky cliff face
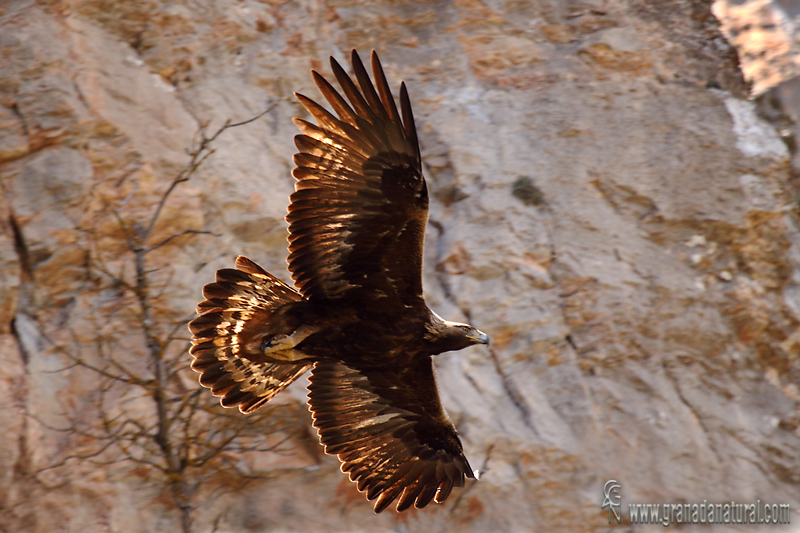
607,205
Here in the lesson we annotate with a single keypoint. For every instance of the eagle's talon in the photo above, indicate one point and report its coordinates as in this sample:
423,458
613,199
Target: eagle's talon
277,343
267,343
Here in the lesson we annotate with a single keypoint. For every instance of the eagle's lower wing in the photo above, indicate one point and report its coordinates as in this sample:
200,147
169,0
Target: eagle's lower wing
389,430
357,216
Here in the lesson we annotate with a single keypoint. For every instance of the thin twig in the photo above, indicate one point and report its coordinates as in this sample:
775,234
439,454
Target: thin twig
181,234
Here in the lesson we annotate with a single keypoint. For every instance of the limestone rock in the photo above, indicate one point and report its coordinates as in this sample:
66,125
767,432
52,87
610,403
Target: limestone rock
607,205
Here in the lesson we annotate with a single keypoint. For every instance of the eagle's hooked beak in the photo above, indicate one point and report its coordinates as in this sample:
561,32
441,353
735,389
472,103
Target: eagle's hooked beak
479,337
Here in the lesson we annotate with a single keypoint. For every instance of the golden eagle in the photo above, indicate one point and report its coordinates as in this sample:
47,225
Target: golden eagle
356,317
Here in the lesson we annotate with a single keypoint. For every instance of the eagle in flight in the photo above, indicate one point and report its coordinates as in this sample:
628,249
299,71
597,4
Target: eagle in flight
356,315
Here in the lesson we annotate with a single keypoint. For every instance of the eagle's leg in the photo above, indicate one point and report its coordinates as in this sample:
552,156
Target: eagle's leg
281,347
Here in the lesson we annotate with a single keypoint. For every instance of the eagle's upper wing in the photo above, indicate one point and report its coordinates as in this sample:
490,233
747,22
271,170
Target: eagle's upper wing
357,216
389,430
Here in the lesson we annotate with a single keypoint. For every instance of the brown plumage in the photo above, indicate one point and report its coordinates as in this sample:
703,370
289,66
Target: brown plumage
356,228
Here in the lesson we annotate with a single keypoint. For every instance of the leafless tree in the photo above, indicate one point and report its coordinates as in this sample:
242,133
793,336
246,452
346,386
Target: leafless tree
147,408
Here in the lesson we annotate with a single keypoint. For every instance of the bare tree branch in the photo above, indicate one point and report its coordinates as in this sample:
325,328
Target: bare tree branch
198,155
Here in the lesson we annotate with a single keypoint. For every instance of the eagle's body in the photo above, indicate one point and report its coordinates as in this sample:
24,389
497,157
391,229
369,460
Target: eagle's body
357,314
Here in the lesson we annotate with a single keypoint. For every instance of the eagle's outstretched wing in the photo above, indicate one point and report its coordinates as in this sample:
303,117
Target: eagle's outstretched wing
389,430
357,216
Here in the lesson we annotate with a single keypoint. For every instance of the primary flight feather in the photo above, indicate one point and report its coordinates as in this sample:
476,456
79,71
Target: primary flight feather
356,317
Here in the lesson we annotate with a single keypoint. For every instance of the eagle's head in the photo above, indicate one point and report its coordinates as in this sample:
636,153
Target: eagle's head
446,336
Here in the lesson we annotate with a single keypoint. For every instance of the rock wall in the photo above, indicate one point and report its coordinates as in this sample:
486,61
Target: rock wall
606,204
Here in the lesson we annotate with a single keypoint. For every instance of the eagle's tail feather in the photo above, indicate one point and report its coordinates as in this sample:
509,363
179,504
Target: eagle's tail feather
227,336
